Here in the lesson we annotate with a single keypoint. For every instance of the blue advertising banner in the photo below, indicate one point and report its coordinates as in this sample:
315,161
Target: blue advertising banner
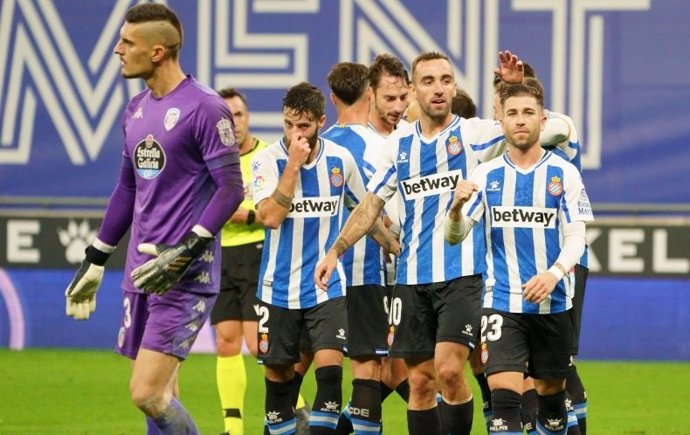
61,94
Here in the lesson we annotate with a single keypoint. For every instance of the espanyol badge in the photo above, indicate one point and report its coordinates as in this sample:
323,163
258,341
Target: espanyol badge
171,118
454,146
555,187
336,177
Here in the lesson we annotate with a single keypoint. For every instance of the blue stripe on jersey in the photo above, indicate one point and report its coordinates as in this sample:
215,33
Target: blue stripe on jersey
403,169
485,145
335,287
452,257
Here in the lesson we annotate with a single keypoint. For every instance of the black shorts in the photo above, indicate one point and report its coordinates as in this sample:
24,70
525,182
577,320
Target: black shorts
421,316
581,274
238,283
280,330
538,344
367,320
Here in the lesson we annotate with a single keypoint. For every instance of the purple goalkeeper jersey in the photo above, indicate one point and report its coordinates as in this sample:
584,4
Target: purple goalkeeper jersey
172,143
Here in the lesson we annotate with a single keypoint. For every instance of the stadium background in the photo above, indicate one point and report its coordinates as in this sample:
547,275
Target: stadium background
61,98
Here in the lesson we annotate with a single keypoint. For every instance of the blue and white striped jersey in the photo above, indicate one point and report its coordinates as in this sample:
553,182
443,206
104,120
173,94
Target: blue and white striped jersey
364,263
290,254
524,212
425,172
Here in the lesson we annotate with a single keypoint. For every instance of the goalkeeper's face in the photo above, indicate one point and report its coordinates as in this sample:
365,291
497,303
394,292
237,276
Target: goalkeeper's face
141,48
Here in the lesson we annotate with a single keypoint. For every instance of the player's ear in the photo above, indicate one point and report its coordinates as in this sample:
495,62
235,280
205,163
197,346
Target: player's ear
322,121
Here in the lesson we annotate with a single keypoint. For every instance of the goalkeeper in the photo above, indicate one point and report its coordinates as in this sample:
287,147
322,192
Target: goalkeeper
179,182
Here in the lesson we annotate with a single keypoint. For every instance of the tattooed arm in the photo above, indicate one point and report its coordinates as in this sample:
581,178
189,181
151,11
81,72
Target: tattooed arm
360,222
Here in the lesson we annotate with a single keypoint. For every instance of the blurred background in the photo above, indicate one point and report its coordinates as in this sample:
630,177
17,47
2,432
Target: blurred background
619,68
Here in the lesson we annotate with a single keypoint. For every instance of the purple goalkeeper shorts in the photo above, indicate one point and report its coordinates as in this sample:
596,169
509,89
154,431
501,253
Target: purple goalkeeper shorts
168,324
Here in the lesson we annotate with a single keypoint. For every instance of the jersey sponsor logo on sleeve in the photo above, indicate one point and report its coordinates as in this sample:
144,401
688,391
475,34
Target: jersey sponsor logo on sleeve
435,184
314,207
149,158
584,208
226,131
523,217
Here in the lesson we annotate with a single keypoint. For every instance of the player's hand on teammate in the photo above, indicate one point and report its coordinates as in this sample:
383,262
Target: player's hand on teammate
80,296
511,68
391,251
539,287
324,270
169,264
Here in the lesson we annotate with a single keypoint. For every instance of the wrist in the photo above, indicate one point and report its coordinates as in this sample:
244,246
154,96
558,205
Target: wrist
251,217
96,256
557,271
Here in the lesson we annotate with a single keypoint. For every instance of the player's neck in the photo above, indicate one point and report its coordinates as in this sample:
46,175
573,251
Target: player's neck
314,151
165,79
525,158
355,114
431,126
247,145
382,127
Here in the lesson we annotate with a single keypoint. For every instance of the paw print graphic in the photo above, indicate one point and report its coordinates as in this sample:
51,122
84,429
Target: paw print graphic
75,239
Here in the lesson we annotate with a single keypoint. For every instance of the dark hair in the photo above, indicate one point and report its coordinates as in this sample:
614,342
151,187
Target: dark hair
147,12
522,89
386,64
348,81
463,105
305,99
428,55
227,93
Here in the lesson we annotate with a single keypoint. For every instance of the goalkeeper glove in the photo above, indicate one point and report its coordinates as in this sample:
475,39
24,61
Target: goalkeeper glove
81,293
172,261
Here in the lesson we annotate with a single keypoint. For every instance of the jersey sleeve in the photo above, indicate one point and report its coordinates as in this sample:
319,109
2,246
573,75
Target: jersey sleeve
354,184
264,176
475,207
214,132
484,136
384,183
575,206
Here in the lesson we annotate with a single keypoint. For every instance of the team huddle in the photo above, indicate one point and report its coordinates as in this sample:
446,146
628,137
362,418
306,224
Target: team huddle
411,245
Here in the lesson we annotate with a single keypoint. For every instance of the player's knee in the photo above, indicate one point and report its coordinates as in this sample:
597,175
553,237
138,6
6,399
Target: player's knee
422,384
149,400
228,346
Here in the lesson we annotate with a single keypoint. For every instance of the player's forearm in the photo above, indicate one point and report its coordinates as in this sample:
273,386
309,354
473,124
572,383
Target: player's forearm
228,196
118,214
456,227
556,131
382,235
274,209
574,242
361,220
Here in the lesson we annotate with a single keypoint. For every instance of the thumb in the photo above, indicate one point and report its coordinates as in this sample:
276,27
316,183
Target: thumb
148,248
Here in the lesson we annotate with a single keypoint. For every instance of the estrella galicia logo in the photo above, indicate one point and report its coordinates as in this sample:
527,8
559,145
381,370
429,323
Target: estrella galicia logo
149,158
